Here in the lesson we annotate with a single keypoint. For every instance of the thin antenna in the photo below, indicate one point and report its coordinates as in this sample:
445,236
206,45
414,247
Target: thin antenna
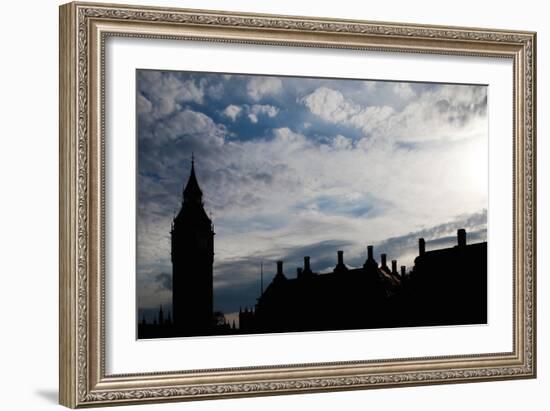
262,278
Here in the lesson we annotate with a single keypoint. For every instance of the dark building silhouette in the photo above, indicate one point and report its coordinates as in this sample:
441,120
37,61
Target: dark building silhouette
444,287
192,259
449,285
158,328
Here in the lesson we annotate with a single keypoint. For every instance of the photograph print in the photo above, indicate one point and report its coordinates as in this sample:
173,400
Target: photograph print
271,204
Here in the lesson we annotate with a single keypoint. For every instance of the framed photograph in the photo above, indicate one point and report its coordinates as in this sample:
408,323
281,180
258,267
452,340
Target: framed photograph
259,204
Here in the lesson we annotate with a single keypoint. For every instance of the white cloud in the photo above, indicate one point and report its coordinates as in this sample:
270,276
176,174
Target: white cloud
287,136
329,104
332,106
370,85
215,91
166,91
403,90
232,111
189,124
341,143
270,111
446,113
258,87
189,90
266,109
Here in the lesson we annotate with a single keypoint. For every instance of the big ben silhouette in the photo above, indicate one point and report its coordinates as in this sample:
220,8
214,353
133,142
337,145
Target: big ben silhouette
192,258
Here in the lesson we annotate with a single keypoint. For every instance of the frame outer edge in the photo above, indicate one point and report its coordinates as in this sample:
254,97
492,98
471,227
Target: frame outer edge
68,326
77,385
534,199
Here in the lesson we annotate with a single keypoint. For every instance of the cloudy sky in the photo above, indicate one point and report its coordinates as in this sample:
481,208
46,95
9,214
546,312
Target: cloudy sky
293,166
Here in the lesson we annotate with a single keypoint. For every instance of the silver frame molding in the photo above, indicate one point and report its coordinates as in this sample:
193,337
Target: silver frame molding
84,27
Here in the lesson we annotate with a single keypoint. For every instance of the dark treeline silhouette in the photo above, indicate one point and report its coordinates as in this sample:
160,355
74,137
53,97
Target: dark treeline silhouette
445,287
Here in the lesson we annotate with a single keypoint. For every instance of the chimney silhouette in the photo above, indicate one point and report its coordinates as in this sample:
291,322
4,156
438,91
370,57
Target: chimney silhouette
421,246
394,267
461,234
370,252
403,271
340,267
279,275
371,266
383,262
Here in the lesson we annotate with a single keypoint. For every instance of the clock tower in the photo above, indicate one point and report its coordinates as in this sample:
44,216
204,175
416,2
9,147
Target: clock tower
192,259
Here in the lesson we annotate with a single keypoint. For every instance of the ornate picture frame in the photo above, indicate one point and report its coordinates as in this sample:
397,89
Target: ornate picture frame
84,31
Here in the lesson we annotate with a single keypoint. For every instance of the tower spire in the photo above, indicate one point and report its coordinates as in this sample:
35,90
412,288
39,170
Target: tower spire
192,192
